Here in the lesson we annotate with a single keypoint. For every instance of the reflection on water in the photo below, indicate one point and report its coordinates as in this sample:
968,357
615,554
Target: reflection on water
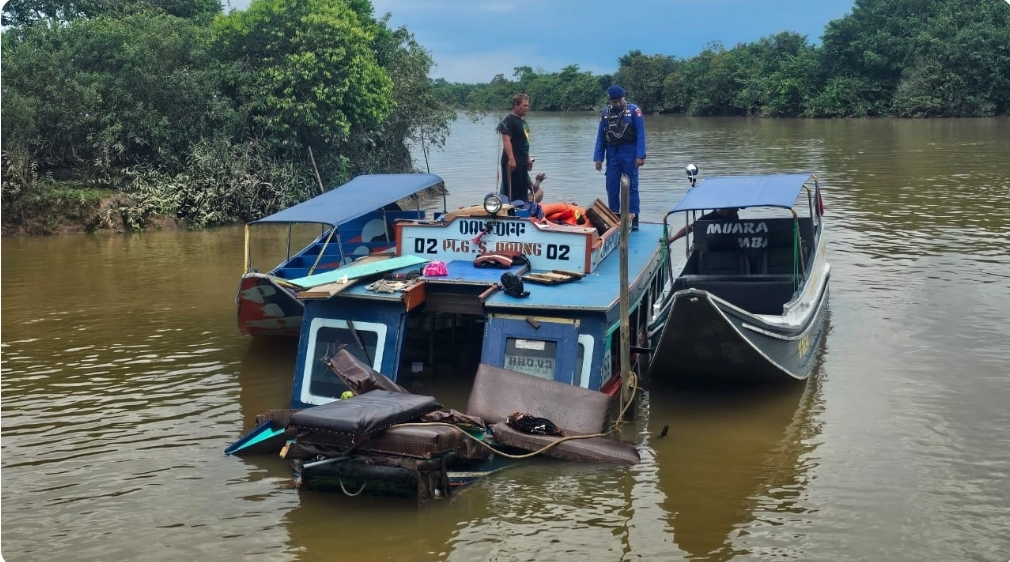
124,377
735,465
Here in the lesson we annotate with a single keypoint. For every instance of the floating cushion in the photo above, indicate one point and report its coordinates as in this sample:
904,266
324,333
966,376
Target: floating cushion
346,423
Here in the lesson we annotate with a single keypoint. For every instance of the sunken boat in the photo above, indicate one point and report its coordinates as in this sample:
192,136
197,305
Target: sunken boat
523,311
353,221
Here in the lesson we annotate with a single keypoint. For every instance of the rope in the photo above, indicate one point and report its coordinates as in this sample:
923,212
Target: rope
633,385
616,425
362,489
321,250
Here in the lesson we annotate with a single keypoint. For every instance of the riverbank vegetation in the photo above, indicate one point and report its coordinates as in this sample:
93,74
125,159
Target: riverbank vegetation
118,112
904,58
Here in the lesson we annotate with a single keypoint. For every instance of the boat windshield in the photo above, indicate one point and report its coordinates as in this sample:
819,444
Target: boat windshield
327,337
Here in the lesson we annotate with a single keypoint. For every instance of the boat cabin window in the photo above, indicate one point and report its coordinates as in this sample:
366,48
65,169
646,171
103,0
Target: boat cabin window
533,357
327,337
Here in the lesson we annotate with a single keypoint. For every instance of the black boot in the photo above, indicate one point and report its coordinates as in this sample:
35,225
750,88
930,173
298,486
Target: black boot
634,222
513,286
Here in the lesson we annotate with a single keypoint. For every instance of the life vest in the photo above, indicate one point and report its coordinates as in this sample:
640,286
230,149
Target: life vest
566,213
617,126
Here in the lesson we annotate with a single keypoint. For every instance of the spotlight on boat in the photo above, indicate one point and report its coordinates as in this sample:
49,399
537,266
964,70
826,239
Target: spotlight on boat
492,203
692,173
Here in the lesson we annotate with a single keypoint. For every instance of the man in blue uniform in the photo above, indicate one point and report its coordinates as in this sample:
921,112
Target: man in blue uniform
621,137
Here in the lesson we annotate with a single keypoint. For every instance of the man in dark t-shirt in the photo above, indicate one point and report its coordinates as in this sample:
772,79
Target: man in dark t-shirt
515,158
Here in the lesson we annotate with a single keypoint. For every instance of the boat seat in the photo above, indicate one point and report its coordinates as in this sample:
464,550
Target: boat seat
498,392
719,254
777,260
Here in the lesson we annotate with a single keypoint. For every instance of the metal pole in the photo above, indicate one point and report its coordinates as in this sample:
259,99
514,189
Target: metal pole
625,304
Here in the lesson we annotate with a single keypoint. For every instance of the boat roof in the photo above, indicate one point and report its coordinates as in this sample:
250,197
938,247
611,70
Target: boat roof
355,198
722,192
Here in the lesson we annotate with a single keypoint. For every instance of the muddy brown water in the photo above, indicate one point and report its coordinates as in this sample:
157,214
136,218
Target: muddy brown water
124,378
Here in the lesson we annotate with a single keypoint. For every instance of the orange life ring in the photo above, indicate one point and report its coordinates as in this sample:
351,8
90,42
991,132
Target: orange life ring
552,208
567,213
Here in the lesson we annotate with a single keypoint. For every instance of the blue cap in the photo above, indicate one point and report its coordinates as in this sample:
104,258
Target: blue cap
615,92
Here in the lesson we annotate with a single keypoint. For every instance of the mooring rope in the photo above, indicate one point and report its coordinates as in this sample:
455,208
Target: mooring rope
633,383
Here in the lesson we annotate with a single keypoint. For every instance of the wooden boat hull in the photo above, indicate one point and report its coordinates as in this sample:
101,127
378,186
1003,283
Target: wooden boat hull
708,340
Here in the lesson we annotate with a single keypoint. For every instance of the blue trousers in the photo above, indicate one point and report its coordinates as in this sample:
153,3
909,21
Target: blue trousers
621,160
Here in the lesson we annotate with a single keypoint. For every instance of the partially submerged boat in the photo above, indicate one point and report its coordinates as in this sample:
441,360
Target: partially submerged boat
748,298
355,220
528,311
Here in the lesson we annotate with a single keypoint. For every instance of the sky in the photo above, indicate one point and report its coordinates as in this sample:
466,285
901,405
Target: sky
473,40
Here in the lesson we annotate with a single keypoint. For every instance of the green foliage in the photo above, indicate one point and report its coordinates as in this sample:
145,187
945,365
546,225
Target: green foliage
24,13
921,57
913,58
107,93
155,101
223,183
47,207
418,115
645,76
307,72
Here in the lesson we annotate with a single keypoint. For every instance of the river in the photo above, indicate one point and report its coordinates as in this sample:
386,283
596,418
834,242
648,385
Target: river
124,377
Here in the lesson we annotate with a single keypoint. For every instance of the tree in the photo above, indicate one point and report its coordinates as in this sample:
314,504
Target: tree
307,71
23,13
643,77
419,116
106,93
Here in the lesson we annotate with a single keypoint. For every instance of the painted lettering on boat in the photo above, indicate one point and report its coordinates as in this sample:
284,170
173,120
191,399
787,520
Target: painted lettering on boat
737,227
537,366
803,345
742,227
434,246
497,228
752,242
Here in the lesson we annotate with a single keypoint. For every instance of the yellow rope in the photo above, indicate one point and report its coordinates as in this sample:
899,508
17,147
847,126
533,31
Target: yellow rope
614,427
321,250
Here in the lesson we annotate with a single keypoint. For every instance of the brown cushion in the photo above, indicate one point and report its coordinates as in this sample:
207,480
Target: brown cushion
424,442
498,392
359,376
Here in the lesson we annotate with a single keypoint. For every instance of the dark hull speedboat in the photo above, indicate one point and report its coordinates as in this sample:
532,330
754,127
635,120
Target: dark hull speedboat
356,220
747,302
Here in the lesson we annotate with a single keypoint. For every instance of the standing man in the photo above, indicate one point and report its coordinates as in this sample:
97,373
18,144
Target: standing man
621,135
515,158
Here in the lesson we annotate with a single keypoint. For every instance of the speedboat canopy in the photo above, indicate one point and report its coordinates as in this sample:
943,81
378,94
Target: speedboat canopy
723,192
355,198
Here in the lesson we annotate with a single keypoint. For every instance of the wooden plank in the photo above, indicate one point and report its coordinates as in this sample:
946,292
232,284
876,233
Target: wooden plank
551,277
602,217
325,290
356,270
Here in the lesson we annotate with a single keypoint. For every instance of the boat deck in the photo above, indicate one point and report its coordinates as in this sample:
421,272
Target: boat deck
597,291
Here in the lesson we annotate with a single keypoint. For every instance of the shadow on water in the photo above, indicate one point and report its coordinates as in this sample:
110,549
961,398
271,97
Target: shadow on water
734,460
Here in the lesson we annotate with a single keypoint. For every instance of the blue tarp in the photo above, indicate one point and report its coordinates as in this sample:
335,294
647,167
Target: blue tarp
776,190
355,198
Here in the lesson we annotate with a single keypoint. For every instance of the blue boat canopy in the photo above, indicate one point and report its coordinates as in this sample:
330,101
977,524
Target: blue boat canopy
722,192
355,198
